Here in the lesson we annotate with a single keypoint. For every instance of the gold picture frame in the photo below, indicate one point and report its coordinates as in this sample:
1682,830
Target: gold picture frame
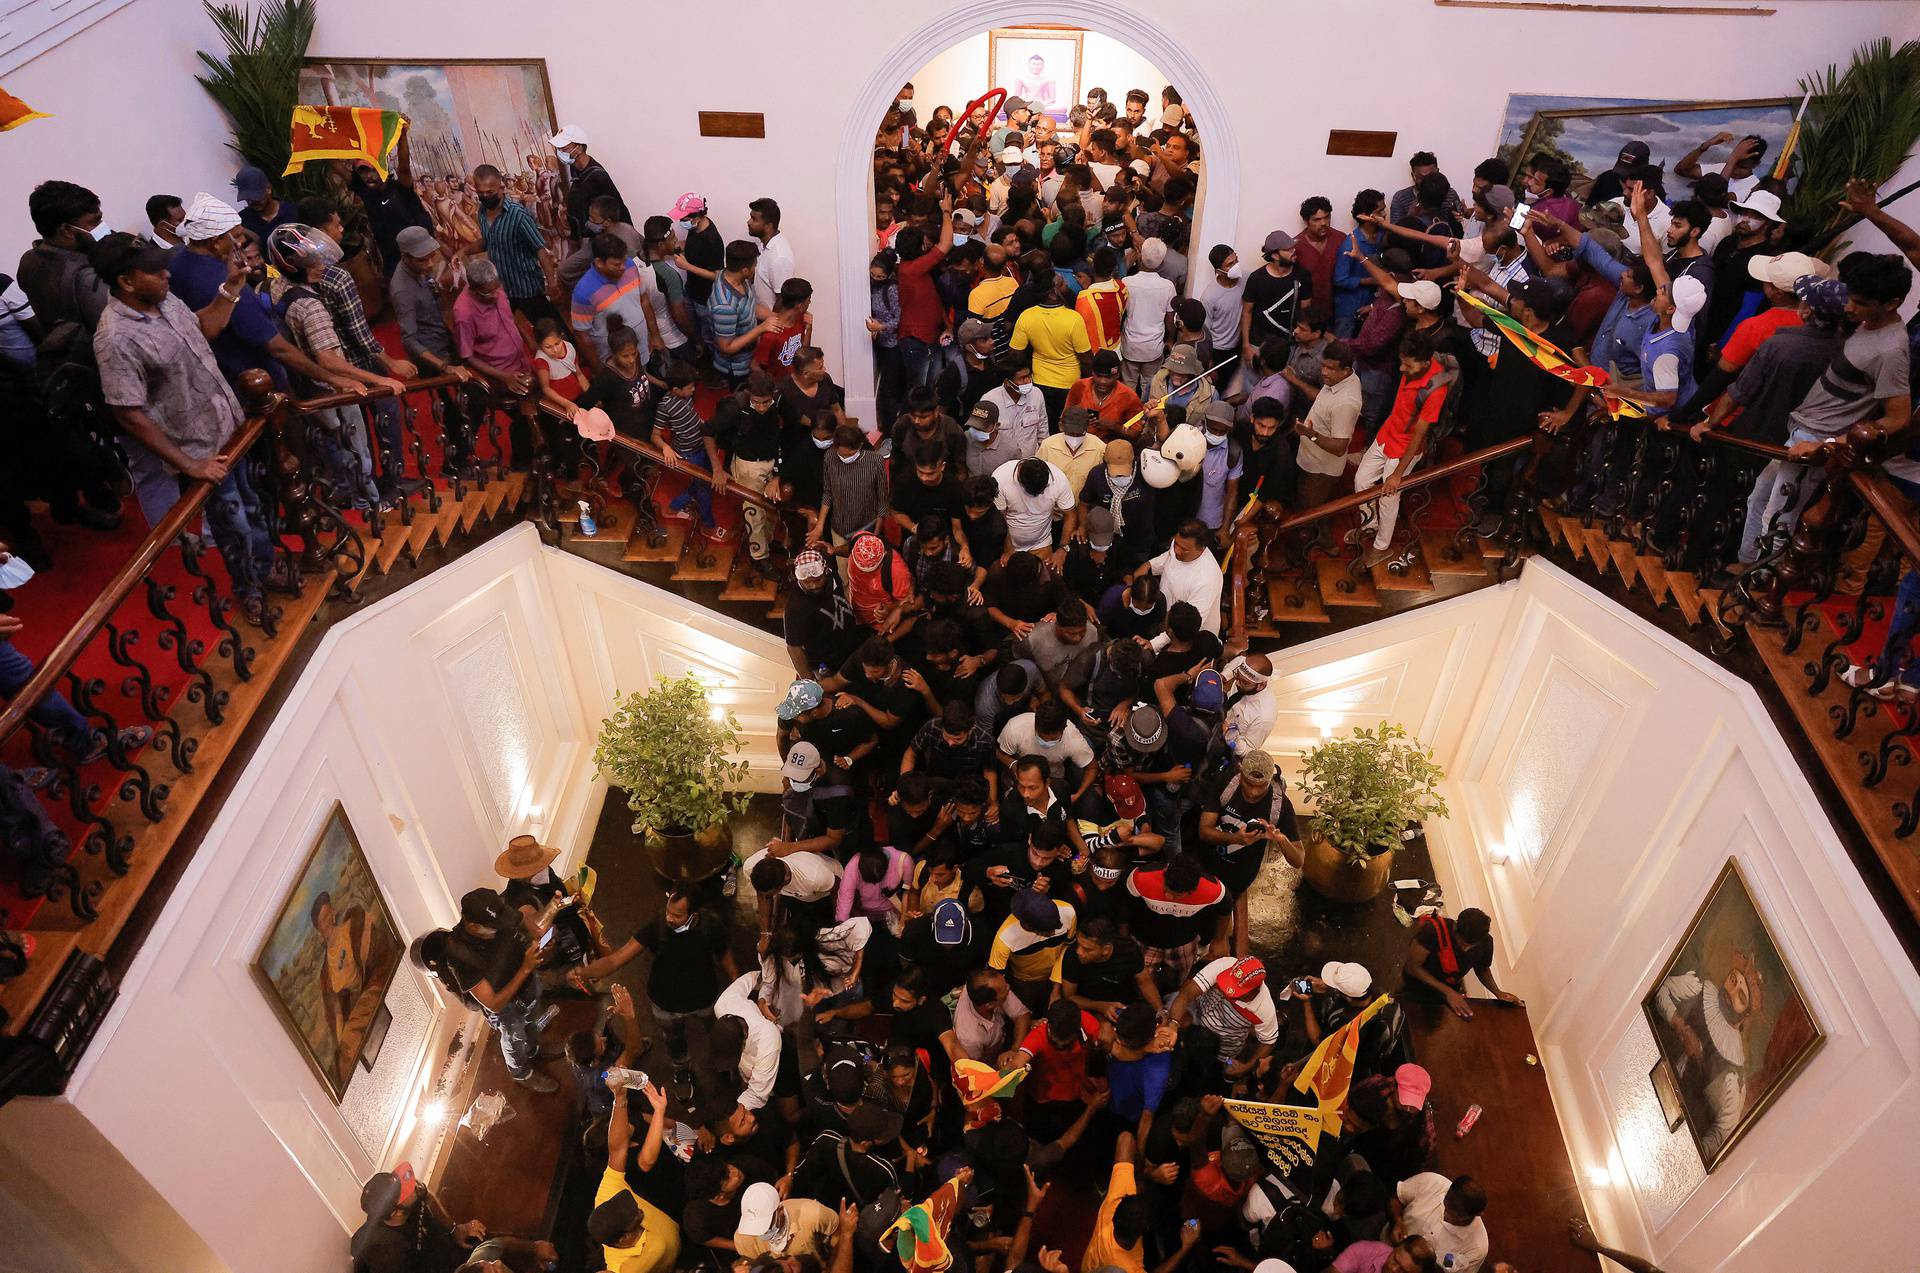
326,968
1008,52
1729,1018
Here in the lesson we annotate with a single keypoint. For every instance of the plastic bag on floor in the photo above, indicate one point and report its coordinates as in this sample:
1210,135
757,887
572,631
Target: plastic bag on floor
488,1111
1414,898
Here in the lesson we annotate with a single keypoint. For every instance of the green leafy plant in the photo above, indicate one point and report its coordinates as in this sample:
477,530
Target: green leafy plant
257,83
1367,787
669,751
1861,123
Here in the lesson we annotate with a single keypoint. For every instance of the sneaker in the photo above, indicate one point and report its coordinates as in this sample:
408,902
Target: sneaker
535,1081
1861,678
1374,556
679,515
716,534
132,738
37,777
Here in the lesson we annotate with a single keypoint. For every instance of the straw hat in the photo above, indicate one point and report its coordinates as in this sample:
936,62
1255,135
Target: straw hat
524,857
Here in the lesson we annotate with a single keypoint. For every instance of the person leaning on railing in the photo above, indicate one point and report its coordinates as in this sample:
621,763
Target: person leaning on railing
158,374
421,292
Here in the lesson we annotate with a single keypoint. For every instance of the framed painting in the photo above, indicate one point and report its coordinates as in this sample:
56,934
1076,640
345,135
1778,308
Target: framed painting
1037,64
1729,1019
330,955
461,113
1588,132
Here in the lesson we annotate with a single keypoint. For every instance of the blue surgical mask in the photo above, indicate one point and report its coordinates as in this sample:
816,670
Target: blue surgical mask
594,227
1119,481
685,227
958,239
979,435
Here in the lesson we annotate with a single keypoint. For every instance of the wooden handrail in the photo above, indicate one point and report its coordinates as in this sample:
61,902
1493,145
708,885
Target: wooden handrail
185,511
1891,506
373,394
1472,460
1767,449
668,460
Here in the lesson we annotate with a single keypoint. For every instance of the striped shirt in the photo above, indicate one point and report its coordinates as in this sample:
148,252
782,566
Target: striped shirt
595,299
1025,955
676,416
1487,339
729,316
341,295
514,243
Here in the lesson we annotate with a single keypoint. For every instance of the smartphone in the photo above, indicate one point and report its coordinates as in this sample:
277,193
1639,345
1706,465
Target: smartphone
1302,985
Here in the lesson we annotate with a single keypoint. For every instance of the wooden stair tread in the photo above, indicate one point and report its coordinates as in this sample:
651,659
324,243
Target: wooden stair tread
57,931
610,529
472,508
638,549
1595,540
393,541
1686,593
1653,576
1556,525
1331,573
447,521
1710,608
493,497
1296,601
763,590
1435,545
689,570
1415,578
420,534
1872,807
1624,561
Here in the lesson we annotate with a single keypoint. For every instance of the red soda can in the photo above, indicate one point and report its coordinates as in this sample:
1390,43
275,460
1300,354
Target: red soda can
1467,1120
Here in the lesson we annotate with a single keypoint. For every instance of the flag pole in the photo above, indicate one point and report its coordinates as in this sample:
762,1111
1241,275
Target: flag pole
1161,401
1793,139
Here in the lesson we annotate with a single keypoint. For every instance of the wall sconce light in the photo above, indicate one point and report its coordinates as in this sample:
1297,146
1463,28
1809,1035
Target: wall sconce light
433,1112
1326,721
1497,854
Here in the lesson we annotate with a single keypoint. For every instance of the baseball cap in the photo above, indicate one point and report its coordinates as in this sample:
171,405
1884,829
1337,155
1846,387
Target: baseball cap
1278,241
809,564
613,1219
688,205
1243,979
1274,1266
1784,270
869,1122
950,924
1634,152
1140,166
984,410
250,184
120,253
1689,297
1536,294
569,135
1425,293
1257,766
974,329
1123,790
758,1202
1099,529
801,696
1413,1083
1035,911
845,1080
1209,695
1762,203
1182,361
967,217
417,241
1074,420
1351,980
1145,729
1221,412
801,762
481,906
1013,104
1826,297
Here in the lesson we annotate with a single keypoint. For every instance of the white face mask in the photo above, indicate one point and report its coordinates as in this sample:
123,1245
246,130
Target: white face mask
959,238
1018,391
1120,481
822,444
1045,742
800,784
1074,443
1216,439
905,104
1234,273
848,459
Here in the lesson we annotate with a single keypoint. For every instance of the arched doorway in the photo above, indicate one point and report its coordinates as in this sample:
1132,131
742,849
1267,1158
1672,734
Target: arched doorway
1218,213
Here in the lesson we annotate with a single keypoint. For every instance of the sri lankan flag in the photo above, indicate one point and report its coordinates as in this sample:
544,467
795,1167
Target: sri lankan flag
14,112
1329,1071
919,1236
1550,358
344,132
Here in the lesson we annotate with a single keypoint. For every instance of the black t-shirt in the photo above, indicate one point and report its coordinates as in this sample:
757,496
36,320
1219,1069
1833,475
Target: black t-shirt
685,974
745,433
905,827
496,960
830,1177
1205,649
708,250
705,1219
914,499
945,966
1517,392
420,1245
948,437
1112,980
1237,865
893,698
822,624
1088,576
1029,603
986,536
803,466
838,732
800,407
1277,302
628,403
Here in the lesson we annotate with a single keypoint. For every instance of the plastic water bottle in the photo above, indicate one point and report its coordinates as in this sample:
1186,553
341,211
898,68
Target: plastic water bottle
626,1077
587,525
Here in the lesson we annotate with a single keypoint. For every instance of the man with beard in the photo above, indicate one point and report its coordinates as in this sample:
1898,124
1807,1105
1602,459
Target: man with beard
515,246
1274,297
1709,1020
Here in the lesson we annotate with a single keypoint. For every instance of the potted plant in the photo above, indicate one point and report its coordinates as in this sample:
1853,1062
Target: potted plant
669,750
1366,789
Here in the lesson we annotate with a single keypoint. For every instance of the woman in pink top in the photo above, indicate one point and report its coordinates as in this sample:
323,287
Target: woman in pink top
874,886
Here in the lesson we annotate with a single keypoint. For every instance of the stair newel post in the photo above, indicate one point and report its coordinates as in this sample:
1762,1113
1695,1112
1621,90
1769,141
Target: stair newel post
1799,561
1246,542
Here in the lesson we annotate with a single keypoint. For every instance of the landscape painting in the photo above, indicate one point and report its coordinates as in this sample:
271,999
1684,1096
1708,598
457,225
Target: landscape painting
330,955
1729,1019
1588,132
460,114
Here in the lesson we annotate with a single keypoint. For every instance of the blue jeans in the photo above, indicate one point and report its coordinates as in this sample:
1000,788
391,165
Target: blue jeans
1901,631
387,430
519,1030
155,488
697,491
1168,808
1376,393
918,363
53,713
1783,488
235,515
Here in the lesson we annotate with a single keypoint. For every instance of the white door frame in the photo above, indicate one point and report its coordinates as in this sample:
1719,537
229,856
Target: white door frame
853,197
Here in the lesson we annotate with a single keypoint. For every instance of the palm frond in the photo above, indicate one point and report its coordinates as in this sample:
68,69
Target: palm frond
257,80
1863,123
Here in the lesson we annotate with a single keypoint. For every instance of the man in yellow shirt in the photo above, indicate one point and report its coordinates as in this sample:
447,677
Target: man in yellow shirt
635,1236
1061,351
1123,1220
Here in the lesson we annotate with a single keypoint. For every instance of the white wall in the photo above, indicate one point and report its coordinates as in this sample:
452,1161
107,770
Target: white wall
445,719
959,75
153,127
1620,770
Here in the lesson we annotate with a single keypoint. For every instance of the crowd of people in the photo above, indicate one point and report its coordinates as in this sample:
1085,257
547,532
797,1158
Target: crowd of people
1003,927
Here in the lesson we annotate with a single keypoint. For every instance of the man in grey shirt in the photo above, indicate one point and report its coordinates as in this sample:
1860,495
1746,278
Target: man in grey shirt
1868,378
853,487
418,283
168,396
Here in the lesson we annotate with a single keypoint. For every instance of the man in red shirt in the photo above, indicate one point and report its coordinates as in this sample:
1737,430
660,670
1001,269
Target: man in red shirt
787,331
1424,383
923,319
1110,403
1316,251
1057,1052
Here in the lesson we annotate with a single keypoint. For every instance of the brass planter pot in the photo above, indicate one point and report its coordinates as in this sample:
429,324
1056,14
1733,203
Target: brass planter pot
687,857
1330,874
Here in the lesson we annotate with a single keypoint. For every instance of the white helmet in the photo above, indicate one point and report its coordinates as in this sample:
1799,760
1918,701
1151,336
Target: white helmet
301,247
1159,471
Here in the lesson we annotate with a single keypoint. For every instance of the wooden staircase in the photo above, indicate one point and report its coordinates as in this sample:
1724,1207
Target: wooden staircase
1426,566
409,537
1680,590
